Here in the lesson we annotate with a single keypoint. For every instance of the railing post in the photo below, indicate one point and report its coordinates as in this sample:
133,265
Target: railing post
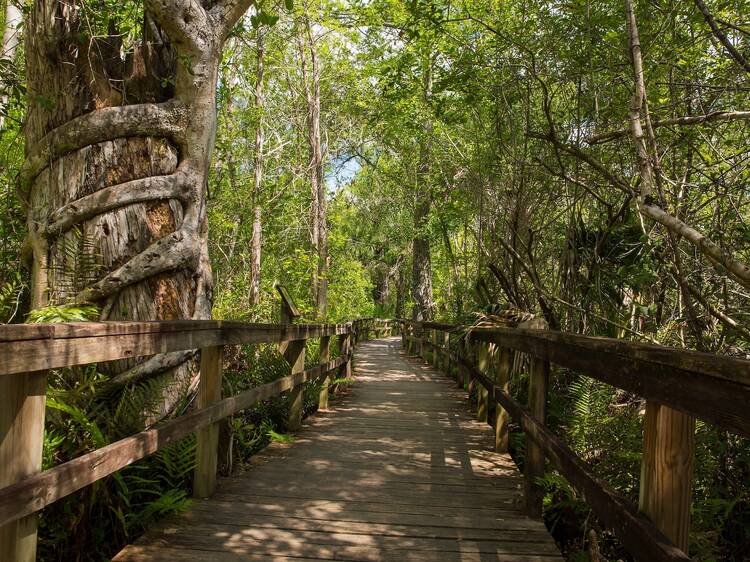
667,471
345,348
435,358
294,353
439,356
445,357
534,461
325,357
462,373
502,382
207,447
471,358
483,365
22,399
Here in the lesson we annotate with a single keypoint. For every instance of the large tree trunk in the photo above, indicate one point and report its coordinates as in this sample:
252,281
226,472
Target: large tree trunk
318,213
116,167
421,285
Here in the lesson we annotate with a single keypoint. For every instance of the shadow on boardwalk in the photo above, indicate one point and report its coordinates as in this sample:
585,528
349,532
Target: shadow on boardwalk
397,470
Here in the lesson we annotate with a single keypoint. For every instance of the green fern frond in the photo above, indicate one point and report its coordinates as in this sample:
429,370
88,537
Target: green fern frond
280,437
63,313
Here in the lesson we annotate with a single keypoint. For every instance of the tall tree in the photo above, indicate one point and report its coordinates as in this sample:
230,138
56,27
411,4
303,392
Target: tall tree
117,158
421,284
310,64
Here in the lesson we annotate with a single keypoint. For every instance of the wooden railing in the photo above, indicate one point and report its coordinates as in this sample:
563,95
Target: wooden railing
678,386
28,352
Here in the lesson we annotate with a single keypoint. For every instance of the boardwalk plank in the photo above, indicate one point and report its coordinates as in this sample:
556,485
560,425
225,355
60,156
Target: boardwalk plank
396,470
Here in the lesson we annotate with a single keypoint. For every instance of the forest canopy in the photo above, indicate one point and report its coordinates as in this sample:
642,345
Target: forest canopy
586,162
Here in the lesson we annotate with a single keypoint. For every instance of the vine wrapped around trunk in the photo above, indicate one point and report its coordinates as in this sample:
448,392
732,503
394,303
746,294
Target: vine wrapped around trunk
117,159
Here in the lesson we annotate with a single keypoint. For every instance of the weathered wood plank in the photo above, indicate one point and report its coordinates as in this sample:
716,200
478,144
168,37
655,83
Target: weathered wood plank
720,366
534,460
209,392
666,485
502,379
294,353
325,356
386,483
639,535
137,553
22,399
65,345
713,395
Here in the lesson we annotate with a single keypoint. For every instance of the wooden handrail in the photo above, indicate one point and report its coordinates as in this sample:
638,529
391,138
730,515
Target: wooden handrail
712,387
35,347
708,386
27,351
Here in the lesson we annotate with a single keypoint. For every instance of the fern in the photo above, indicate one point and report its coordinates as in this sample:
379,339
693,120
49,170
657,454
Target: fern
77,266
10,298
80,422
137,403
280,437
590,400
63,313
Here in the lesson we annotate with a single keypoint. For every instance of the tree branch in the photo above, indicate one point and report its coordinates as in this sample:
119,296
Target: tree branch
584,156
227,13
714,116
718,314
185,22
721,36
152,366
737,270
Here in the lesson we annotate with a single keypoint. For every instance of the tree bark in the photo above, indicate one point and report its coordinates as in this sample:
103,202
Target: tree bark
318,211
421,288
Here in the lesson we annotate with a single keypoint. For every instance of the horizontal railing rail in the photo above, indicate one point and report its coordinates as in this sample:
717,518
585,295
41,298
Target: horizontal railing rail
28,352
683,383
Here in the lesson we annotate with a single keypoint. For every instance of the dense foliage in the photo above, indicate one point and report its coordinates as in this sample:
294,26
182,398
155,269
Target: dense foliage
489,141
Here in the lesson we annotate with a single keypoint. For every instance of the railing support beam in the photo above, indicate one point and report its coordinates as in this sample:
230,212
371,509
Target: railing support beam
534,461
22,399
207,447
483,365
325,357
294,353
345,346
502,382
667,471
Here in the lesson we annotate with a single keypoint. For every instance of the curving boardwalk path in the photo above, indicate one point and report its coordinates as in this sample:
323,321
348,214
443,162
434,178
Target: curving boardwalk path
397,470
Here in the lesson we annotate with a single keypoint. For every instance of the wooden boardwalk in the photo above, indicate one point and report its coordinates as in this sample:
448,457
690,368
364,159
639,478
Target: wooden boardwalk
397,470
